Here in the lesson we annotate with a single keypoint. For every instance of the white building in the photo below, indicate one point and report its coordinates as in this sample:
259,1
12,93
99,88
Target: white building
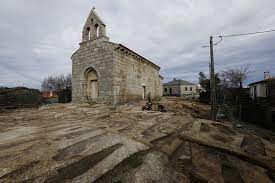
260,89
179,88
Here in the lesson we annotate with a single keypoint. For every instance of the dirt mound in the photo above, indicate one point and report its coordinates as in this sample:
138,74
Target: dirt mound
12,98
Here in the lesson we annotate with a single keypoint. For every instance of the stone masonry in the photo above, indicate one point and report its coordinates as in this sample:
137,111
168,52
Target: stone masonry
107,72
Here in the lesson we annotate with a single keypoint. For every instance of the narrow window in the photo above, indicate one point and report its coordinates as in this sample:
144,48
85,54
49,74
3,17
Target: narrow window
165,89
191,88
97,30
88,33
186,88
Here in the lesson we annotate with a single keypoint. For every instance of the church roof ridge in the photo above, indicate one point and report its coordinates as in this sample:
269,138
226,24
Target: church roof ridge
143,58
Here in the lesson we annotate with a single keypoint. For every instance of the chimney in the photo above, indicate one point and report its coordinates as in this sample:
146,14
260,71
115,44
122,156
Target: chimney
267,75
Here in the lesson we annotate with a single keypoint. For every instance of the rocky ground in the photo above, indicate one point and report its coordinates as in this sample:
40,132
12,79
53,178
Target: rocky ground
100,143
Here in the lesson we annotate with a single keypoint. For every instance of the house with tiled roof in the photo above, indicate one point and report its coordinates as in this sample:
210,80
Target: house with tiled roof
179,87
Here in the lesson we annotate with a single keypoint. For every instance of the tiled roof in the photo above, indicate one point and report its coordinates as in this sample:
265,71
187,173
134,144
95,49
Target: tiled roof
262,81
178,82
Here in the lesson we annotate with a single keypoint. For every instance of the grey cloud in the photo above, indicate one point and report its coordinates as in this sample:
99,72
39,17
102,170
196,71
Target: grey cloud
39,37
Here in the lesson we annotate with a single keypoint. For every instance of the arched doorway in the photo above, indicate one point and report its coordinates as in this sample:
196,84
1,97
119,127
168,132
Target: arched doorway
92,91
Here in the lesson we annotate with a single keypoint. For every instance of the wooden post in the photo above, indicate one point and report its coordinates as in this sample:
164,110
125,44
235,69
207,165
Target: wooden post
212,81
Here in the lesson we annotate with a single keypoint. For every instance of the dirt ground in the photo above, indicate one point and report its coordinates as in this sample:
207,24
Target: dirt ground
102,143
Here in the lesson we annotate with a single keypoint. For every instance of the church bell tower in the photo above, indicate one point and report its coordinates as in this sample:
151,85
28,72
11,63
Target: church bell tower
94,28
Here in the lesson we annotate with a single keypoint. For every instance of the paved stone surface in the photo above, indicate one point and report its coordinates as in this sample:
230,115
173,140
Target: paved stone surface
101,143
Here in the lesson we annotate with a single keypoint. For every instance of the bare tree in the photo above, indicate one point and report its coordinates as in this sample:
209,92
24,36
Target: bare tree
57,83
232,82
235,78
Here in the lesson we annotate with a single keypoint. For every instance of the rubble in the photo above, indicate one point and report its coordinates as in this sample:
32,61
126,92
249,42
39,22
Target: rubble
101,143
176,104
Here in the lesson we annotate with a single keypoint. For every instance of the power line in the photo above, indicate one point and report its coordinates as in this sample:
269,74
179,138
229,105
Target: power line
218,41
249,33
213,96
241,34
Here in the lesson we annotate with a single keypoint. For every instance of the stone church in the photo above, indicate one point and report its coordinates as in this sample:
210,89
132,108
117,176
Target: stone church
107,72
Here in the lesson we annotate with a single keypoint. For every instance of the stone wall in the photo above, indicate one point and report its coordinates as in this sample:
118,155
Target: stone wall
131,74
122,75
97,55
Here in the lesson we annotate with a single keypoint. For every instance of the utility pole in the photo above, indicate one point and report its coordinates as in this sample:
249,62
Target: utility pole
213,97
212,81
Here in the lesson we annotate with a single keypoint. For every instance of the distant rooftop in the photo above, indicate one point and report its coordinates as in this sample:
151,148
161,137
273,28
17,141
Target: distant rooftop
262,81
178,82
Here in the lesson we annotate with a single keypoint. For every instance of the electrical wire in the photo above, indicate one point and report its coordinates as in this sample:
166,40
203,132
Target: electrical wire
242,34
249,33
218,41
215,43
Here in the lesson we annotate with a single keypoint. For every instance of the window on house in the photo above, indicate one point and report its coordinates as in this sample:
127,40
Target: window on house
191,88
186,88
165,89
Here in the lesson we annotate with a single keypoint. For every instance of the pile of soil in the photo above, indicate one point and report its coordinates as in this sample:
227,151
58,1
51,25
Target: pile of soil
19,97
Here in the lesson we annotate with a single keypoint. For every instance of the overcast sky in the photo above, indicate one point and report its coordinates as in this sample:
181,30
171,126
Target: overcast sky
37,38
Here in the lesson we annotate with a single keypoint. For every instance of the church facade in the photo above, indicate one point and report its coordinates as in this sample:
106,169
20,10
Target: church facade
107,72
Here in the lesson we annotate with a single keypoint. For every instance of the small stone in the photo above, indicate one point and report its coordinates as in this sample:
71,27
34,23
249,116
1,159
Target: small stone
239,126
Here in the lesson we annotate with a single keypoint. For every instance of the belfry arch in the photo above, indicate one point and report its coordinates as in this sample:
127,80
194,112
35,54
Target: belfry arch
87,33
91,89
94,28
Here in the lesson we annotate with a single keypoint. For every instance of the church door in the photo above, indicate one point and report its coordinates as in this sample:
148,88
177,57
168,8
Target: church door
92,85
143,92
94,89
